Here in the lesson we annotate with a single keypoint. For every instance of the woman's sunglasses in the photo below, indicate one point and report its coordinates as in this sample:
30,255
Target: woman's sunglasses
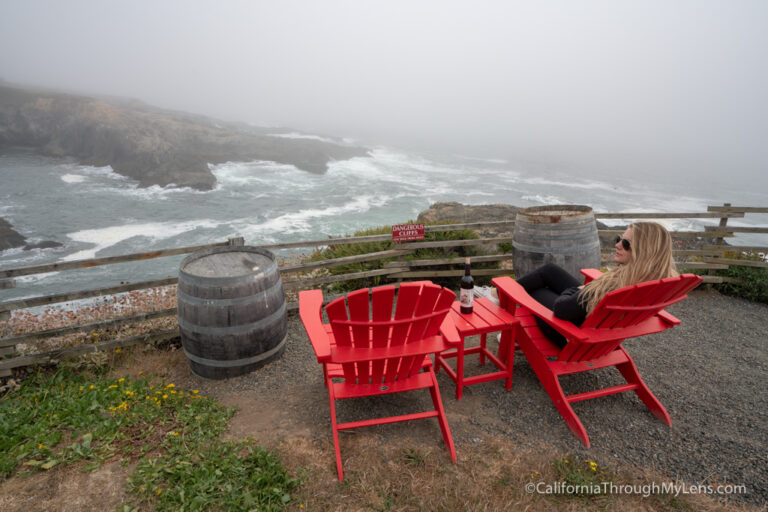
624,242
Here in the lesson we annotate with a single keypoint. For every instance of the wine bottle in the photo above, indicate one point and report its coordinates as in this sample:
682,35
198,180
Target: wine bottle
467,297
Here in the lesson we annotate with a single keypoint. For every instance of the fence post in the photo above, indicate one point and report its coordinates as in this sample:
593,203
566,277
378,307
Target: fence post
720,240
236,240
6,284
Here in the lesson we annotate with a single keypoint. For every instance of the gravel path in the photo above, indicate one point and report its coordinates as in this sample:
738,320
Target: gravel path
710,373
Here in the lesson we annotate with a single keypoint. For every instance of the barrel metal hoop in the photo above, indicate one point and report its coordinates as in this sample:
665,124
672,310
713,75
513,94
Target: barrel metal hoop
581,229
236,362
555,250
233,329
267,273
228,302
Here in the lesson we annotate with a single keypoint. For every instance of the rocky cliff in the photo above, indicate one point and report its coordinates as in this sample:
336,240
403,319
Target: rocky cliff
150,145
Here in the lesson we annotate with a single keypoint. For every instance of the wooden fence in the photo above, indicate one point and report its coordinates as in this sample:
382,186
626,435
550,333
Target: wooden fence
710,256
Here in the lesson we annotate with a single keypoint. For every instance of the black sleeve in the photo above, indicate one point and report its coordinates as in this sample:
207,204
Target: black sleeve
568,307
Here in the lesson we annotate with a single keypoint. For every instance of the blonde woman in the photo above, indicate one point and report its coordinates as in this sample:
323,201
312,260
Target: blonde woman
643,252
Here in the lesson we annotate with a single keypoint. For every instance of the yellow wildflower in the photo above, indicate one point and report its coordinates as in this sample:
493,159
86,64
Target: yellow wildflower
141,373
171,386
113,386
195,391
159,492
41,446
90,387
121,379
165,396
117,350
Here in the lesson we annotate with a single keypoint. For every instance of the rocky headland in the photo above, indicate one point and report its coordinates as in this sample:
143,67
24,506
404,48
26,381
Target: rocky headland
150,145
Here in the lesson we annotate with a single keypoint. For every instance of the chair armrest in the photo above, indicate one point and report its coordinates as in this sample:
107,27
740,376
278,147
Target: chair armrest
670,319
510,290
449,332
590,274
311,314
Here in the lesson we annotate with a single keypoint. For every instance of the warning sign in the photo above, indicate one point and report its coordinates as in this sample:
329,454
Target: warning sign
407,232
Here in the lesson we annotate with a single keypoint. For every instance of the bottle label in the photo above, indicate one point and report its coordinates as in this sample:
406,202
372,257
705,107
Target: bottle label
466,297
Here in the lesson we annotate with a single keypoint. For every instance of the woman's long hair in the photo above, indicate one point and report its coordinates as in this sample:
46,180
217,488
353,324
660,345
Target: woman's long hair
650,258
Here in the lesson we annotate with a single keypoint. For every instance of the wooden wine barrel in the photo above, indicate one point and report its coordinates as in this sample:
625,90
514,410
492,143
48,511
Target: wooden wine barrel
561,234
232,312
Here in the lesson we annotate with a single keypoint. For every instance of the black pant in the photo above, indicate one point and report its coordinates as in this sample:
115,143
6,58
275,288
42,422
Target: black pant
545,284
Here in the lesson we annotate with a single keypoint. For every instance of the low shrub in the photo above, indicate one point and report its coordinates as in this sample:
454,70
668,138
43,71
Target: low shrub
345,250
752,282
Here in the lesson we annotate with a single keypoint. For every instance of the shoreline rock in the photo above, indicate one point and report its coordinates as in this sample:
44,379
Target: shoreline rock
12,239
148,144
9,237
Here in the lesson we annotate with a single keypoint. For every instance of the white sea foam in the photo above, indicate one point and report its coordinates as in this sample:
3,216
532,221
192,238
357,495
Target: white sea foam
156,192
73,178
90,170
297,135
304,220
104,179
103,238
387,168
538,198
594,185
264,178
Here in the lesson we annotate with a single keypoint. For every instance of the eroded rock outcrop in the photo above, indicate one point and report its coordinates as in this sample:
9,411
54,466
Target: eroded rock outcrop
150,145
457,212
9,237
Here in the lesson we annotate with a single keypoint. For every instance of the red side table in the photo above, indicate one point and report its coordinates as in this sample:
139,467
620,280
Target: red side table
486,317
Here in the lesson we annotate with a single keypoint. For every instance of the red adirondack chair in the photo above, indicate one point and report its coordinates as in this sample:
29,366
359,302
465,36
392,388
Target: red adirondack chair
365,357
624,313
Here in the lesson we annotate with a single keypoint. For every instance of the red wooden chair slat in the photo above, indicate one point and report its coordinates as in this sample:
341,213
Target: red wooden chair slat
358,311
425,306
382,301
366,350
625,313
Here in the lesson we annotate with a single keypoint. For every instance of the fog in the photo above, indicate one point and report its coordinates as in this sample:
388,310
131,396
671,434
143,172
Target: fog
645,88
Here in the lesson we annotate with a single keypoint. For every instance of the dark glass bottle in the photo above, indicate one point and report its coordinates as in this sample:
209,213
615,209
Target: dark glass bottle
467,296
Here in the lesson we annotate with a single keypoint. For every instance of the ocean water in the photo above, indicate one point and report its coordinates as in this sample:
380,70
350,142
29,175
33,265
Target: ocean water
95,212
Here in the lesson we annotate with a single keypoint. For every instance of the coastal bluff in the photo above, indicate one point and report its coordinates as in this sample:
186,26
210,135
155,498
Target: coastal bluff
148,144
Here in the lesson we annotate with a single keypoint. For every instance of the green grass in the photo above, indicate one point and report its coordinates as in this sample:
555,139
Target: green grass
66,417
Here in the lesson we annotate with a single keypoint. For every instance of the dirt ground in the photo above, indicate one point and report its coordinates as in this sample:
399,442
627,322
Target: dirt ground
284,407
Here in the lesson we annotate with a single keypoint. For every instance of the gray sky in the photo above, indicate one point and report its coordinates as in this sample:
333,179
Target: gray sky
645,87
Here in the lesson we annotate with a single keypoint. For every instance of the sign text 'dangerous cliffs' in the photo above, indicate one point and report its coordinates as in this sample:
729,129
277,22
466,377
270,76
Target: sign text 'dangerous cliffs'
407,232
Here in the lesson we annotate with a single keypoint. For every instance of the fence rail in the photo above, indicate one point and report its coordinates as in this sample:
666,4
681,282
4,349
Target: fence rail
710,256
